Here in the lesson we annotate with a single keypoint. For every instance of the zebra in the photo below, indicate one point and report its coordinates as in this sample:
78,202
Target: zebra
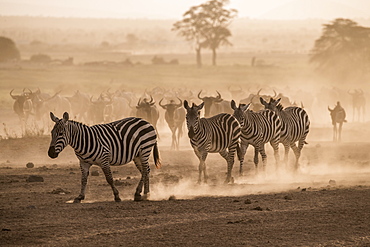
114,143
295,126
257,128
217,134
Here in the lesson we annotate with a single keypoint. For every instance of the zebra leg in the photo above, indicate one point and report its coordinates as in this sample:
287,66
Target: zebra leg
241,153
264,156
109,178
256,150
139,187
297,154
275,145
226,155
202,156
230,162
143,167
286,152
85,167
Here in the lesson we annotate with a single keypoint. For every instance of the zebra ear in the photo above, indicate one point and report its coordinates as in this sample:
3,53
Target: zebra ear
200,107
65,116
233,105
263,102
186,104
53,117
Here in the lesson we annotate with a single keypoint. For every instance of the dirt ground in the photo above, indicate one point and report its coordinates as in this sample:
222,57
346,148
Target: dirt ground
326,204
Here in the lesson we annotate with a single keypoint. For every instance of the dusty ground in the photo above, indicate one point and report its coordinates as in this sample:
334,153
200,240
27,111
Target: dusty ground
278,209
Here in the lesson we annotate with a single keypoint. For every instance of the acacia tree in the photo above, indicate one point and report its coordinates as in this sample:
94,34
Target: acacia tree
191,28
342,49
206,25
216,29
8,50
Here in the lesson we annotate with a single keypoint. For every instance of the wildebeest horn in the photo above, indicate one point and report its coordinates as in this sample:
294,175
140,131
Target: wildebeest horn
163,106
180,104
91,99
139,102
199,95
151,100
52,97
13,96
258,93
275,94
218,95
24,89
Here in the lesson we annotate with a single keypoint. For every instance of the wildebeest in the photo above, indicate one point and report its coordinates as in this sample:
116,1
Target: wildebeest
358,104
80,103
338,116
147,110
23,104
214,105
97,109
175,118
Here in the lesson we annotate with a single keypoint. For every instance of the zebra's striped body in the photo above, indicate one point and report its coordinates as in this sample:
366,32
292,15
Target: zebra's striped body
218,134
258,128
295,126
115,143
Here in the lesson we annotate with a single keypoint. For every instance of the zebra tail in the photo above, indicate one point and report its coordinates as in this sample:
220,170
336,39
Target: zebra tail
157,160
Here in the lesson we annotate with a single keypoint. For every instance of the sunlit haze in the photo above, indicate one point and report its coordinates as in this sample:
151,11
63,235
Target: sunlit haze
169,9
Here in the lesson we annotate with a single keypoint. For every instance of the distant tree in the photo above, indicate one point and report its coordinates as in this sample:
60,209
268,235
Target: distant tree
342,49
8,50
40,58
190,27
132,40
217,22
104,44
206,25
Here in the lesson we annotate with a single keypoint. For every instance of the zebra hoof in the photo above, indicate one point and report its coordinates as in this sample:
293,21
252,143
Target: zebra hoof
137,198
229,180
145,197
77,200
117,199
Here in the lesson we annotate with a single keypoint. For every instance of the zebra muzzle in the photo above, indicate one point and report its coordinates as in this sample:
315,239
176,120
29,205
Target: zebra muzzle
191,132
52,154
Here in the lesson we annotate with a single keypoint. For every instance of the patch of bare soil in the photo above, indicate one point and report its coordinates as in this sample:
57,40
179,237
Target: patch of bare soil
326,203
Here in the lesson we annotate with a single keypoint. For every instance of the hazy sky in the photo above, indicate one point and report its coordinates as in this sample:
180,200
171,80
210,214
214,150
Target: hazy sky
173,9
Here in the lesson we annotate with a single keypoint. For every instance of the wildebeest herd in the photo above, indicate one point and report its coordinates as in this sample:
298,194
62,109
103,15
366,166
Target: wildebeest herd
111,130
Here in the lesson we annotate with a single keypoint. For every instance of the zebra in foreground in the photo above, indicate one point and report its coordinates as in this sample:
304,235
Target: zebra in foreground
217,134
295,126
115,143
257,128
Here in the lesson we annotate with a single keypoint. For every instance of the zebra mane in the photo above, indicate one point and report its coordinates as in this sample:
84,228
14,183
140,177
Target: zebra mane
279,107
77,123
